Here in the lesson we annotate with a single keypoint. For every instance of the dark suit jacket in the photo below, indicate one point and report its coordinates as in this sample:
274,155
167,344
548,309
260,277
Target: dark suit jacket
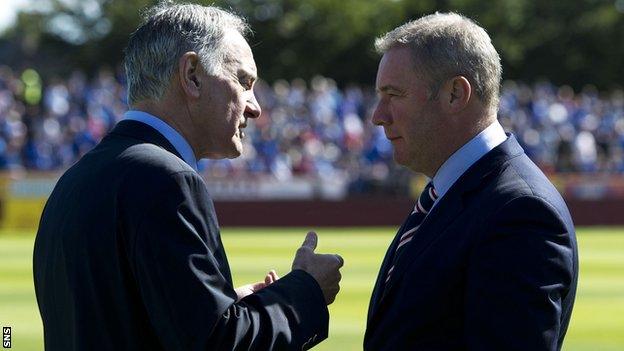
128,256
493,266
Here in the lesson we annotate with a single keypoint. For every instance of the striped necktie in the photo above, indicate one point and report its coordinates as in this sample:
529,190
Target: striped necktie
409,228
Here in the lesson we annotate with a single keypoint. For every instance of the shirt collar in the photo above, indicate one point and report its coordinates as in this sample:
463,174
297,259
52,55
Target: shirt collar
175,138
466,156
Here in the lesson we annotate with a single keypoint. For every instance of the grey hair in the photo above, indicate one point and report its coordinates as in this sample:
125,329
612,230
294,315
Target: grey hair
445,45
167,32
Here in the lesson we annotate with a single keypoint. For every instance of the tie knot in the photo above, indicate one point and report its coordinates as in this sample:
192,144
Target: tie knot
426,199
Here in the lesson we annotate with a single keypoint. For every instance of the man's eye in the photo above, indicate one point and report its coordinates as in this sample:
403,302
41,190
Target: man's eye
247,84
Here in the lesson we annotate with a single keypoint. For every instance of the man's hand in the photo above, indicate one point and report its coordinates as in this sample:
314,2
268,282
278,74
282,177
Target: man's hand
249,289
323,267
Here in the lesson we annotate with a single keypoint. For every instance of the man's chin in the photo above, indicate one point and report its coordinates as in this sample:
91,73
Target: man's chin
408,162
399,158
236,151
235,155
230,153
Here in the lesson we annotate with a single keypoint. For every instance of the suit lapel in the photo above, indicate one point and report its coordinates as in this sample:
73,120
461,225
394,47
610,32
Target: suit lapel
436,222
385,265
449,207
141,131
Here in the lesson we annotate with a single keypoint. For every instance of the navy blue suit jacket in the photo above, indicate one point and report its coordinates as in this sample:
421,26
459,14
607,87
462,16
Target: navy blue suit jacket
494,266
128,256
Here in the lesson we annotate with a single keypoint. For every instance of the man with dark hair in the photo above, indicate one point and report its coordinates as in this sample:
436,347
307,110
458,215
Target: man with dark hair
128,254
487,259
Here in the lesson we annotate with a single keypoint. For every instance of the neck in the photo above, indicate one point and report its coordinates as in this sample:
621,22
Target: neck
169,116
456,137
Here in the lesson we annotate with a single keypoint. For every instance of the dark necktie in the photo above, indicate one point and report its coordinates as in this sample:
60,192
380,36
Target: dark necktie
422,207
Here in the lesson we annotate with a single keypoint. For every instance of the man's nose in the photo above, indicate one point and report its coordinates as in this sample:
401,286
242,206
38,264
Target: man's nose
381,116
252,108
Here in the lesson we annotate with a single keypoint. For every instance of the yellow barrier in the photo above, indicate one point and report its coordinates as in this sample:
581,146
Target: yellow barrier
22,213
22,198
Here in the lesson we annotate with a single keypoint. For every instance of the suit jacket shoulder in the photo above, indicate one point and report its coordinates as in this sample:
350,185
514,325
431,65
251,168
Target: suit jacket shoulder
493,266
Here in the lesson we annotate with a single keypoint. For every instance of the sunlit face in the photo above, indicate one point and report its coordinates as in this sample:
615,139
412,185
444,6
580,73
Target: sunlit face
409,118
228,101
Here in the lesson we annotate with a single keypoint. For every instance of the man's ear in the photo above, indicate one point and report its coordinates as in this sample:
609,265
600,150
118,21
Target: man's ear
455,94
188,69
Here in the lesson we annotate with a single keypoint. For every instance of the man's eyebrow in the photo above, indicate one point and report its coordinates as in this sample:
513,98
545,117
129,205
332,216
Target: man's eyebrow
386,88
245,74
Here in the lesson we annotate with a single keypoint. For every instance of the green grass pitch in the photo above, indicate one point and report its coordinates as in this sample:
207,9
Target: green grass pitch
597,321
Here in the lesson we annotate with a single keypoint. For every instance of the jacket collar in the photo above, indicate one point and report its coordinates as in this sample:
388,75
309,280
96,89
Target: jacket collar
141,131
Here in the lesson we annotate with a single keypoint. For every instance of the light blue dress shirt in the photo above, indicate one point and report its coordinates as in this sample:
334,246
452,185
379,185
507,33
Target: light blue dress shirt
466,156
176,139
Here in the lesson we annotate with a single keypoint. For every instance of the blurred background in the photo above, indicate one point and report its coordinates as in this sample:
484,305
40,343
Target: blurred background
313,159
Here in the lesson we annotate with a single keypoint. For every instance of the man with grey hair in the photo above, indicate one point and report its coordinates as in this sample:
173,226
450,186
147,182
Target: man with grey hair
128,254
487,258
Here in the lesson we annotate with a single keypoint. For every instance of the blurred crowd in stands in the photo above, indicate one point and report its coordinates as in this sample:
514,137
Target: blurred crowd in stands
310,128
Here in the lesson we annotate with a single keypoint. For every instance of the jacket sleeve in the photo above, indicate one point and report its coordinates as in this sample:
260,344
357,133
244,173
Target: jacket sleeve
184,281
518,275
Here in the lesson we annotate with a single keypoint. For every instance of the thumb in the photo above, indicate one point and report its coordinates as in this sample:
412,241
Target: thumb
310,241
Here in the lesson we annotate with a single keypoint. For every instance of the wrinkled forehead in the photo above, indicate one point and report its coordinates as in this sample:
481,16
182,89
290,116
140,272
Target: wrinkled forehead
239,53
